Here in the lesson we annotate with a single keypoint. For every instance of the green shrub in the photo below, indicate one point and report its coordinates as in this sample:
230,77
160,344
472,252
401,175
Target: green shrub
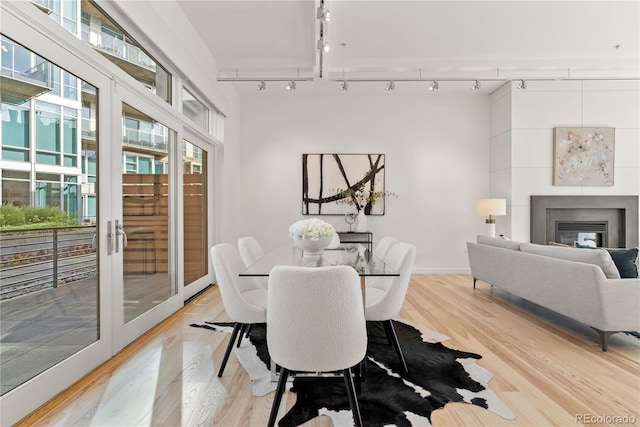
11,216
29,216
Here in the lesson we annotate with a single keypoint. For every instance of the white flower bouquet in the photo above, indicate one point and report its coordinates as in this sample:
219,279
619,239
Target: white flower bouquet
312,228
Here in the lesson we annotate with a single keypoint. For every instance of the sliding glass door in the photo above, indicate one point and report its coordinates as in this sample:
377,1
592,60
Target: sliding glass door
123,187
197,205
50,227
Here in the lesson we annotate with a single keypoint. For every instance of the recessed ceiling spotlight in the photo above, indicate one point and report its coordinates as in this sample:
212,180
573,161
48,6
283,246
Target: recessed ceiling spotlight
344,86
262,86
390,86
521,85
476,85
291,85
433,85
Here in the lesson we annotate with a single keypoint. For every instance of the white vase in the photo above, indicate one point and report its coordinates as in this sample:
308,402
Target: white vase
361,225
311,246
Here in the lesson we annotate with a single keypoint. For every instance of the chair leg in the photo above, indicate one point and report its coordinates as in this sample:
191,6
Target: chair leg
391,334
244,330
284,373
234,334
353,400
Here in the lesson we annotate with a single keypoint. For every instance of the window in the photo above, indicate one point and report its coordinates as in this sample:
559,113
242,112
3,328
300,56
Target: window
15,188
70,137
143,133
47,133
71,195
105,35
15,133
89,166
47,190
16,60
194,109
69,86
64,12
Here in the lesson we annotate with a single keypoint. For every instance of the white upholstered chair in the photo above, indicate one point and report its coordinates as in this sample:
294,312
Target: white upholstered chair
383,246
315,322
244,301
384,297
335,241
251,251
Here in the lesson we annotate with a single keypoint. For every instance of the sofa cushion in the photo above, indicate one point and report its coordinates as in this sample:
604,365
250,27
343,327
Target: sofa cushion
500,243
599,257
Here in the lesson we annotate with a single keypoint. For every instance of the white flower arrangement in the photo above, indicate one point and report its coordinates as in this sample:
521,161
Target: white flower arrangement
312,228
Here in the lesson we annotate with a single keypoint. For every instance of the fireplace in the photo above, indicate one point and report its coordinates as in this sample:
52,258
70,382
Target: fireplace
602,221
583,233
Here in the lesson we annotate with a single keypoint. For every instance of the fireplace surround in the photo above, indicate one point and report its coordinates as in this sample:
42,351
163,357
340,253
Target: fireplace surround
616,218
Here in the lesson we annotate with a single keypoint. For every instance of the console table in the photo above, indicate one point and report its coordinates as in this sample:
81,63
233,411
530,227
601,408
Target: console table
357,237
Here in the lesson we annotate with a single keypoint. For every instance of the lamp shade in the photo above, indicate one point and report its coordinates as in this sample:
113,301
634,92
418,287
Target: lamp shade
492,207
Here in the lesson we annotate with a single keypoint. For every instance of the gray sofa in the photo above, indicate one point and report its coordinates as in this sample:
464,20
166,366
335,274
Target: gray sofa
582,284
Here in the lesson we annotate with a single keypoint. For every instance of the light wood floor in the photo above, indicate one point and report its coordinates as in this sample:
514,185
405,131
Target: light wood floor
546,368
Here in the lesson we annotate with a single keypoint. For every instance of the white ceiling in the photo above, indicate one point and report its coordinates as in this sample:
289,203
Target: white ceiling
449,39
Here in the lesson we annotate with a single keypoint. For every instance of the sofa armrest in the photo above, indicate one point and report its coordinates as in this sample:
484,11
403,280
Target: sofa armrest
620,300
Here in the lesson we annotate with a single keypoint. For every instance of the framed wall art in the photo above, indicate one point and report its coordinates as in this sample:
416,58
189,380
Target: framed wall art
335,184
583,156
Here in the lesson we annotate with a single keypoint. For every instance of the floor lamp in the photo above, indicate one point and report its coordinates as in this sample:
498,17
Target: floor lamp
491,208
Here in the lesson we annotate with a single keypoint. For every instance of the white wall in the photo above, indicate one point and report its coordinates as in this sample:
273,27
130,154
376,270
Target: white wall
437,161
522,135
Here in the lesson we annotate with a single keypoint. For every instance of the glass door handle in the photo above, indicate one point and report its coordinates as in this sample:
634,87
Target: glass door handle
120,232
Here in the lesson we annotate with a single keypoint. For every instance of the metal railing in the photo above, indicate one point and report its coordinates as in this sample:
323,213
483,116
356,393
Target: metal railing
37,258
118,47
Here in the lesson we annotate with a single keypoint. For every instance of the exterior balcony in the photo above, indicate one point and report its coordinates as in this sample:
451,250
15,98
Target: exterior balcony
19,87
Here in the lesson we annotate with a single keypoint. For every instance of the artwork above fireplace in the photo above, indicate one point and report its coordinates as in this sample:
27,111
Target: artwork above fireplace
603,221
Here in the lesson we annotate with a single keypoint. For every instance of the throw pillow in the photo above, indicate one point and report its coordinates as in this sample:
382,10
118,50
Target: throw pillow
626,261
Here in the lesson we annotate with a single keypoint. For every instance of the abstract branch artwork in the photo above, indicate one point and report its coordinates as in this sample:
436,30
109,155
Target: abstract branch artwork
334,184
583,156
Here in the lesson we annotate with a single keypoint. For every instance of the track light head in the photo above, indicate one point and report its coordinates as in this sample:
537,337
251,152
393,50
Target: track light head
291,85
323,45
344,86
476,85
323,14
521,85
390,86
261,86
433,85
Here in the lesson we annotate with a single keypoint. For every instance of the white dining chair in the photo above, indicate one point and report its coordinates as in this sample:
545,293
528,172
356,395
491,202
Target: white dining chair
244,301
251,252
315,322
335,241
383,246
384,297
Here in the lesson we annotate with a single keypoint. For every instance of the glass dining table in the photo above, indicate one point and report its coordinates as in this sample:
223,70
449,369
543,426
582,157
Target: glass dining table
367,265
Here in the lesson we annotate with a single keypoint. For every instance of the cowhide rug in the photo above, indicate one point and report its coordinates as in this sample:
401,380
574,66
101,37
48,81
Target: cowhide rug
437,375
